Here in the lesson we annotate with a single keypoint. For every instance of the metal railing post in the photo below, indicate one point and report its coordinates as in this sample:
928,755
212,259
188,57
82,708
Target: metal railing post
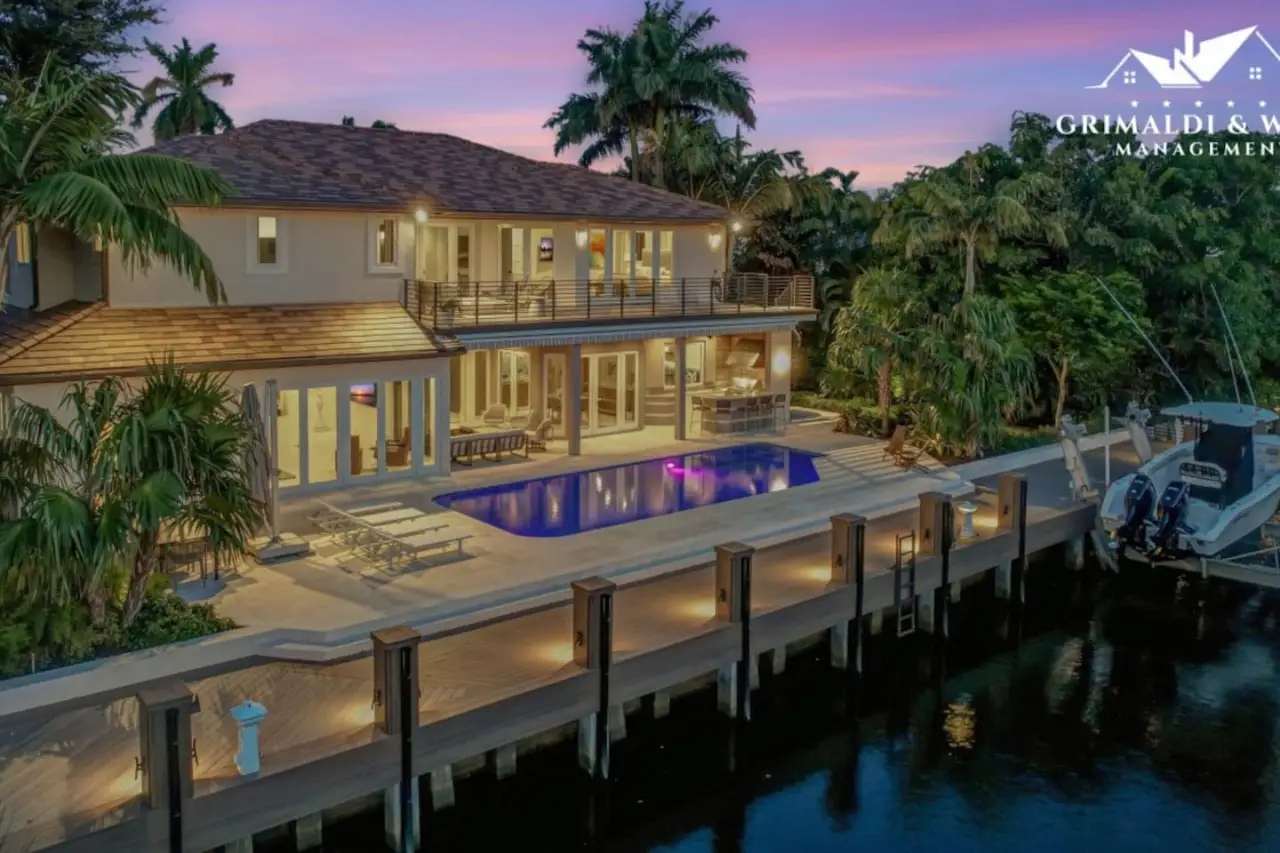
435,305
588,298
684,289
553,298
477,301
653,297
515,303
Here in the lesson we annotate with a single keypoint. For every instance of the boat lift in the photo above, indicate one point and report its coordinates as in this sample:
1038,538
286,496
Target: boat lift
1259,566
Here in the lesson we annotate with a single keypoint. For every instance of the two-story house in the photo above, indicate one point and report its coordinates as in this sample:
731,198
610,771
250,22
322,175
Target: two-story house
390,287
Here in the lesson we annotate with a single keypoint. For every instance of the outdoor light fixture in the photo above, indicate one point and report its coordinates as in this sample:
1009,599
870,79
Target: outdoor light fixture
581,237
781,363
967,509
735,226
22,236
715,238
420,215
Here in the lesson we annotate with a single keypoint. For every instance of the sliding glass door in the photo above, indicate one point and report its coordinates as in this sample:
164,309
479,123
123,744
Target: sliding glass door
610,392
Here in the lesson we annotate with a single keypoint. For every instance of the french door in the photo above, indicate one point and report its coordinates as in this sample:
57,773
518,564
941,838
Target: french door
513,380
610,392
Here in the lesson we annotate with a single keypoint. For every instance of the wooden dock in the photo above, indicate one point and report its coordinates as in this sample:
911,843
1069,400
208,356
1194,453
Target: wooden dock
99,778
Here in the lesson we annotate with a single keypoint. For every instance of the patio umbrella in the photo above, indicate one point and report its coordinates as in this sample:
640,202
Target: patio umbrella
259,461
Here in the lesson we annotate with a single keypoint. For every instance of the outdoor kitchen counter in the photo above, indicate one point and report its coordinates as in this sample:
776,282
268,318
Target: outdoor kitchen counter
723,412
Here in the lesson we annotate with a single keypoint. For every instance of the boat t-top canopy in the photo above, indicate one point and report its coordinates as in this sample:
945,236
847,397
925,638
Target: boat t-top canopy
1227,414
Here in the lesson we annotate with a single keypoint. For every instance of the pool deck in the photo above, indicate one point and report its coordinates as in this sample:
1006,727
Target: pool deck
66,772
335,588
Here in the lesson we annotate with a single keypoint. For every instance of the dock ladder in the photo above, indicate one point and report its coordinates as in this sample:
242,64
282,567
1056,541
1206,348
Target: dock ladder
904,583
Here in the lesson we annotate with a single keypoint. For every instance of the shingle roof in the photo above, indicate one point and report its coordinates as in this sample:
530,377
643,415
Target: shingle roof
302,163
90,341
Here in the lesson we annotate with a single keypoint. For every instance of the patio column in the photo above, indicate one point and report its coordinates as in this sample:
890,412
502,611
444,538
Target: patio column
779,369
682,398
573,401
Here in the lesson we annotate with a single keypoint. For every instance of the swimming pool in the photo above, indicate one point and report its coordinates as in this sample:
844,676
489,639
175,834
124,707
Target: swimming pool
603,497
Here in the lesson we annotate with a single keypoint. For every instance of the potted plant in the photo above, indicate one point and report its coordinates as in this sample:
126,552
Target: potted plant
448,308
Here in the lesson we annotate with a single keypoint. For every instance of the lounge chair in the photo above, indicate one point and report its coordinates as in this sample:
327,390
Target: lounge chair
495,416
903,455
413,547
536,439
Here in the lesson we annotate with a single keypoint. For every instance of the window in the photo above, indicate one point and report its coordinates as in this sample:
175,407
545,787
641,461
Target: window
267,249
666,256
386,243
268,242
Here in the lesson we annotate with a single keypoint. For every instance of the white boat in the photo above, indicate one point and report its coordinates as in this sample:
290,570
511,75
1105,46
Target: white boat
1202,496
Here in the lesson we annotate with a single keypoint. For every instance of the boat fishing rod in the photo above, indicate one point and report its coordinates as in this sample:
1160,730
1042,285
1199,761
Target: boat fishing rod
1231,340
1151,345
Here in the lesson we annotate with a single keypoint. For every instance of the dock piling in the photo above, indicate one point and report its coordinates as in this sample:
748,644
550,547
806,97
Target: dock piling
164,762
1012,518
593,650
733,605
1075,553
504,761
848,566
937,535
395,702
308,832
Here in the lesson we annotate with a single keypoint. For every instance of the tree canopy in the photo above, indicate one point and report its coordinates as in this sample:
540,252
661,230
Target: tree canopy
184,105
88,34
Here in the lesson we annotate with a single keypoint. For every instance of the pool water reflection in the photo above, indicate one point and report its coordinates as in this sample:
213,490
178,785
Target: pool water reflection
588,500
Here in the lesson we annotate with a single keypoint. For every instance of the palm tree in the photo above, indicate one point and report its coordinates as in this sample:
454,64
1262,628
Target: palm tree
873,334
968,206
970,369
187,108
102,489
673,72
56,133
610,119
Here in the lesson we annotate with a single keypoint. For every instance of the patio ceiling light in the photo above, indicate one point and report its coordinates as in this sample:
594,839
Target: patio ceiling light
420,214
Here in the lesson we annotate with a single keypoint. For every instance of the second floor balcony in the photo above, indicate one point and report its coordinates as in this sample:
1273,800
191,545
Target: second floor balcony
466,305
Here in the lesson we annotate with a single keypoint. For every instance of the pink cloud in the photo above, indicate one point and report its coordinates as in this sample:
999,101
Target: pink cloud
861,91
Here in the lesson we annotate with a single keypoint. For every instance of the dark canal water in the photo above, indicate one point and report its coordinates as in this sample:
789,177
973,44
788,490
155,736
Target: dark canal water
1130,713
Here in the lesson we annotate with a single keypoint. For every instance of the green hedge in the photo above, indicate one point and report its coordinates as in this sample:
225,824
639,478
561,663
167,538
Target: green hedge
39,638
864,418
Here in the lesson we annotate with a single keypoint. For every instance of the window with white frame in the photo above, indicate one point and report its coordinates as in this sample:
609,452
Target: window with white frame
384,245
267,250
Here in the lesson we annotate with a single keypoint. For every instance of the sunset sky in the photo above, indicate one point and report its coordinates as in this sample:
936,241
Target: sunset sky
876,87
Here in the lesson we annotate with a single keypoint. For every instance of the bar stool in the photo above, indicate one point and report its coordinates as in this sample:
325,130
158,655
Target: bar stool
779,411
697,412
767,419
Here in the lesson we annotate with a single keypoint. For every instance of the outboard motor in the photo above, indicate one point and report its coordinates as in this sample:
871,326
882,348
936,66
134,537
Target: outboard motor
1139,501
1173,510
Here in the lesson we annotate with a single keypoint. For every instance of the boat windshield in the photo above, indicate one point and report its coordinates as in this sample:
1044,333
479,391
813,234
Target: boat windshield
1222,472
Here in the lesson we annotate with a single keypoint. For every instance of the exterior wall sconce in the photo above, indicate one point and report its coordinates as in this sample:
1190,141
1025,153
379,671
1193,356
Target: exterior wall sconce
22,237
781,363
580,237
715,239
420,215
736,226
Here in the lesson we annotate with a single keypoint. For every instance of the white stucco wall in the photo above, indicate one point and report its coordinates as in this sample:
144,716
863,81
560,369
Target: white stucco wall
326,259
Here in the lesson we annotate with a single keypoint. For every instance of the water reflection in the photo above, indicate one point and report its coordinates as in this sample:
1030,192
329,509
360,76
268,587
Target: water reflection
1124,724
